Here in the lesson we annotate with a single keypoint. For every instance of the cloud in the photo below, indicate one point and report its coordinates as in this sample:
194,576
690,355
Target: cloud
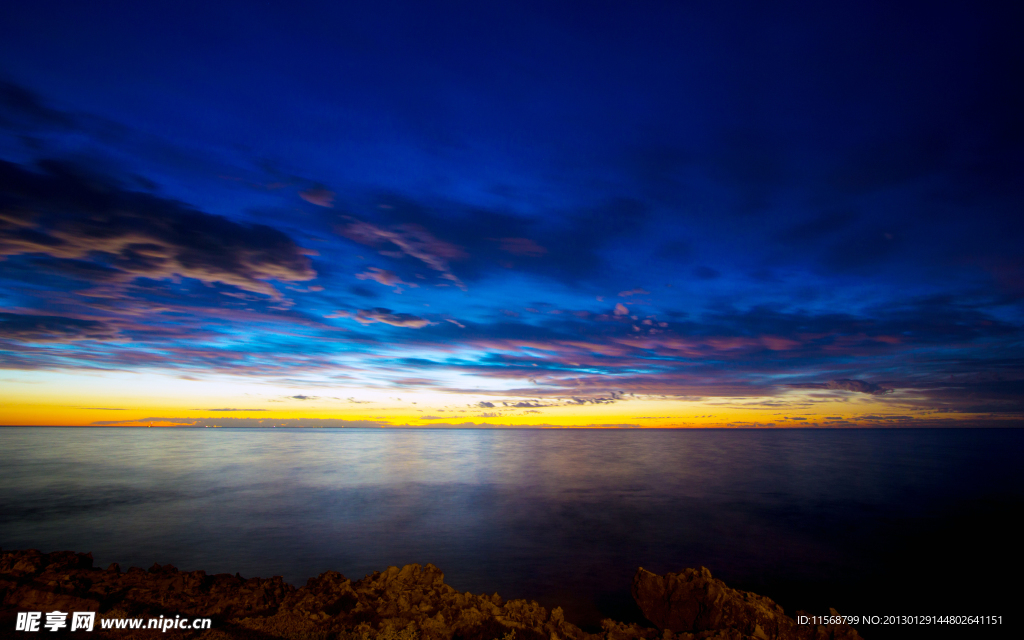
973,393
859,386
110,423
561,245
230,409
20,104
724,353
62,212
385,277
621,309
411,240
249,423
845,384
319,196
486,425
776,343
522,247
525,404
613,397
485,405
633,292
705,273
302,397
33,328
379,314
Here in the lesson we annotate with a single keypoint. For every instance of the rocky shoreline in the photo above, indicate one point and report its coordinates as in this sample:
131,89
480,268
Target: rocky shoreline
408,603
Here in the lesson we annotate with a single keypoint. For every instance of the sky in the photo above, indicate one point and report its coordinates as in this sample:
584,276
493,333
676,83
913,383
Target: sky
456,214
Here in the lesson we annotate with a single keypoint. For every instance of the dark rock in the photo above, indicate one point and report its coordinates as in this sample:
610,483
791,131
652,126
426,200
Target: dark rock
408,603
692,601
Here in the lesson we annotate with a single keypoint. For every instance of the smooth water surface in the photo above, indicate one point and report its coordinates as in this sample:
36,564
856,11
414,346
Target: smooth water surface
864,521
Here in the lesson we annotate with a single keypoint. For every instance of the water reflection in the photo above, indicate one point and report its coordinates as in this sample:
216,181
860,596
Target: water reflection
565,517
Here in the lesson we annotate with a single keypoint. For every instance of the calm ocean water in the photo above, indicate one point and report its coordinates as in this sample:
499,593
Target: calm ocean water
867,521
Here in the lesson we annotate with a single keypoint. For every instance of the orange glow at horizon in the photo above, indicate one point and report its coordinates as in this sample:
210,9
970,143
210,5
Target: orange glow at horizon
118,399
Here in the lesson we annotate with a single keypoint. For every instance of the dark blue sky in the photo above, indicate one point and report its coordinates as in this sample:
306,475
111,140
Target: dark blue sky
772,211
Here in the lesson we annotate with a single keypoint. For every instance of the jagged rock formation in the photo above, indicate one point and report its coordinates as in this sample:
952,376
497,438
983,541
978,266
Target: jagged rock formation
398,604
692,601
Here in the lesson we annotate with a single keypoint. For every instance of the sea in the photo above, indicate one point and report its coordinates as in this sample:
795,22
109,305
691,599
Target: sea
923,522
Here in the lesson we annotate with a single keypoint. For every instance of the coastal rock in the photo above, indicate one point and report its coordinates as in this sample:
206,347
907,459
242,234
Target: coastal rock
66,581
407,603
692,601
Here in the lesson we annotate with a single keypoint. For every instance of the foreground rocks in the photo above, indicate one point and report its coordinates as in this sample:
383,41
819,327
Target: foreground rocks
398,604
691,601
